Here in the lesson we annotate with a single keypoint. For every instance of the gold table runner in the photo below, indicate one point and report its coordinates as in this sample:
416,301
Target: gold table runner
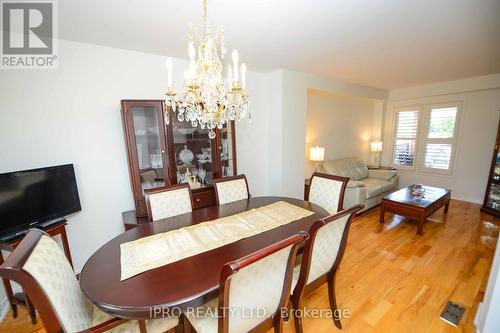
158,250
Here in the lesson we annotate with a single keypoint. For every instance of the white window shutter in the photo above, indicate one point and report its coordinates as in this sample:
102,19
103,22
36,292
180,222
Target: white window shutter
405,138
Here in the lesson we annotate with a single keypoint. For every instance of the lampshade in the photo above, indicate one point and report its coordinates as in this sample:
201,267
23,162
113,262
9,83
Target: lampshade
317,154
376,146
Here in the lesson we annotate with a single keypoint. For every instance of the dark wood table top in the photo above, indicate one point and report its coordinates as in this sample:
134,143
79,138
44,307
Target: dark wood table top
186,283
405,196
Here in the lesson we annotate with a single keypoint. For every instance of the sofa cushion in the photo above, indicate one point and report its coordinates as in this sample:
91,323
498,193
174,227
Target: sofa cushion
348,167
382,174
375,186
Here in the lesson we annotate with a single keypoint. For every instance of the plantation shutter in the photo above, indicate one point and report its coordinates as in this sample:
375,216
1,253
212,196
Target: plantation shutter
439,137
405,137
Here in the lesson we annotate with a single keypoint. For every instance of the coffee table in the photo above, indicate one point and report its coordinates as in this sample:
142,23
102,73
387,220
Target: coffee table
403,202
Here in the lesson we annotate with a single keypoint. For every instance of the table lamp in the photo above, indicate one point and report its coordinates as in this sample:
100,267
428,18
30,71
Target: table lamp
317,154
376,148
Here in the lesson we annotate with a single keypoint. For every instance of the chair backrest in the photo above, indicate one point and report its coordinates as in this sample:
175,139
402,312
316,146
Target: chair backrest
353,168
169,201
325,247
259,281
327,191
229,189
39,265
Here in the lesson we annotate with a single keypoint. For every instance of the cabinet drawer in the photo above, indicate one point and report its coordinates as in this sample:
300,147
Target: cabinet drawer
204,199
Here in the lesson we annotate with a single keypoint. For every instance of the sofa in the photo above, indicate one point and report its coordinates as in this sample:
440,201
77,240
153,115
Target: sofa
366,187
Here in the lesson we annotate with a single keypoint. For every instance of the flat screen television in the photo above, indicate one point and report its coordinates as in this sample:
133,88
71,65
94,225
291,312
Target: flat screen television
31,197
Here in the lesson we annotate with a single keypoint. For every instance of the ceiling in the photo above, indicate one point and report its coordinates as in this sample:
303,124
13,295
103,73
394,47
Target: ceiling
386,44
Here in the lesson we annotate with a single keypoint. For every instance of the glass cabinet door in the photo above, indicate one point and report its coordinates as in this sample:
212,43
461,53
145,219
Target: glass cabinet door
193,152
226,149
150,146
493,200
495,176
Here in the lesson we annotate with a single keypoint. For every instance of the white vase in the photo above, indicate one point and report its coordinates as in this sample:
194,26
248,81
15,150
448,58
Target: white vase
186,155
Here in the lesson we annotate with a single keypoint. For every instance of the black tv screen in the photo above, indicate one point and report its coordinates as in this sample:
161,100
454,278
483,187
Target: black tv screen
33,196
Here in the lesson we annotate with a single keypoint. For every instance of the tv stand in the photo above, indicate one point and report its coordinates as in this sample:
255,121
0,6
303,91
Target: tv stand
53,227
41,225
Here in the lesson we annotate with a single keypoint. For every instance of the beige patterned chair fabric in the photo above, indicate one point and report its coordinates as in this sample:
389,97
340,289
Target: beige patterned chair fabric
325,193
325,249
50,268
256,286
232,190
170,203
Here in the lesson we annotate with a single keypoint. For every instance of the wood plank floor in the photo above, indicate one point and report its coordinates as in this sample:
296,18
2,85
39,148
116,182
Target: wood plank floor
392,280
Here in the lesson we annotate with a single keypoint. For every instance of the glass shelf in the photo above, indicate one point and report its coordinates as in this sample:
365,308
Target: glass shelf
193,154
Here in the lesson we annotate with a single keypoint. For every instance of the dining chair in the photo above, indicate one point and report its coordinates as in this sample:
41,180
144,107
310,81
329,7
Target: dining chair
327,191
322,254
169,201
230,189
252,293
39,265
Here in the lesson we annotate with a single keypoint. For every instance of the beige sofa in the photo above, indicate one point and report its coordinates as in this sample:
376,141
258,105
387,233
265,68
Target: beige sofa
366,187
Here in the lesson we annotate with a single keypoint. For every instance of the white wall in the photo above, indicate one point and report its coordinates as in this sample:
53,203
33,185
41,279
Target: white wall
487,319
343,125
477,132
71,115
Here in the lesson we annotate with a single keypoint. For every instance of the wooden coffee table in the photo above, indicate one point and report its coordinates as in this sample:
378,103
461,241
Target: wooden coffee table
403,202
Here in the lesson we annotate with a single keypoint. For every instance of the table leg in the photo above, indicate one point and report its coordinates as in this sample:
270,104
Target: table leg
382,212
446,207
421,221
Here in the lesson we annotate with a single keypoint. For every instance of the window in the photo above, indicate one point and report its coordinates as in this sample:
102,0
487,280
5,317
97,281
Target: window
405,138
439,137
425,137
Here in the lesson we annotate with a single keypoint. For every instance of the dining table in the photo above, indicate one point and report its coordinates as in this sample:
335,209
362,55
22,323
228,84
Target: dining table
187,283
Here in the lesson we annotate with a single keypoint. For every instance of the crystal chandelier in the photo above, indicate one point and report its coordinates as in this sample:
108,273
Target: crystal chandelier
209,99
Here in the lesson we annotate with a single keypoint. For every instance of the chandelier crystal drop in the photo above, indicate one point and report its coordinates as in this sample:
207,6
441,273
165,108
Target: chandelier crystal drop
209,99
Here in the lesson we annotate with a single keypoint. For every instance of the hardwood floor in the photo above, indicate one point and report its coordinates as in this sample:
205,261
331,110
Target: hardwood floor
392,280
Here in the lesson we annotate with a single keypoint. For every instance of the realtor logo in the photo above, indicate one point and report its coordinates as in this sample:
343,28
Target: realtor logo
28,35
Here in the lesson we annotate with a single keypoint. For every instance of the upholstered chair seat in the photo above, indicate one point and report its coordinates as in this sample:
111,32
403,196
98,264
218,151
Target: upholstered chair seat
327,191
322,254
39,265
259,282
230,189
171,201
206,323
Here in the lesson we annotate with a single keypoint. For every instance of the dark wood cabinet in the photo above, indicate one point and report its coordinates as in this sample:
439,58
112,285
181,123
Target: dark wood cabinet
163,150
491,204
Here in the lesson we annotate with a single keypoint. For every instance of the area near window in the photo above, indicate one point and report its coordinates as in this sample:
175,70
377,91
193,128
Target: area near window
425,137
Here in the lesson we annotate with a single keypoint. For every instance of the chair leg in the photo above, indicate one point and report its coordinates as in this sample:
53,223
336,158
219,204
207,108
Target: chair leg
297,320
31,309
278,324
186,324
180,326
142,326
333,301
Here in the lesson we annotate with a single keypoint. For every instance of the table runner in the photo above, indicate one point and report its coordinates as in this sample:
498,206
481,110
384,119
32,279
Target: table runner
158,250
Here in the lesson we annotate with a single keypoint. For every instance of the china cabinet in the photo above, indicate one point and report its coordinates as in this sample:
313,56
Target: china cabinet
164,151
491,204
